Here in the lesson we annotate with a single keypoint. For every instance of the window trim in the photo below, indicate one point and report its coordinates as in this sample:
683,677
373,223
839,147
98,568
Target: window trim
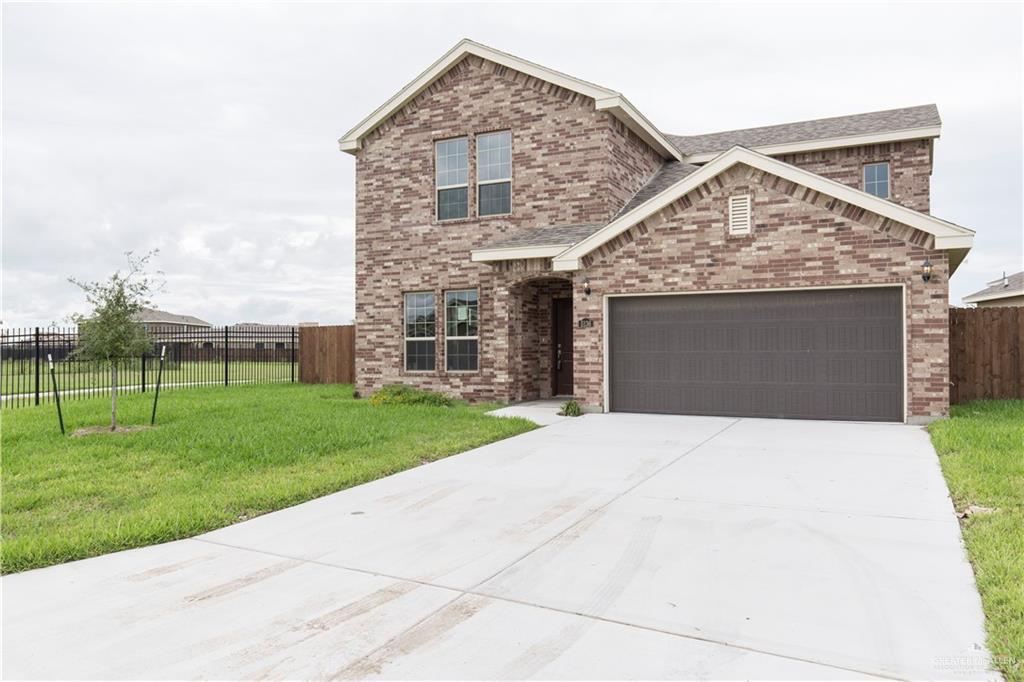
438,188
405,333
480,183
888,179
462,338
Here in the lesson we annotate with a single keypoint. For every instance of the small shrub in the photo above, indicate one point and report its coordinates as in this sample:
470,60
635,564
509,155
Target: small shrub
571,408
400,394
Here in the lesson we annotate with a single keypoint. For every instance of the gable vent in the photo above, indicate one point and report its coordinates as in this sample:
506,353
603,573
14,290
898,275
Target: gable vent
739,214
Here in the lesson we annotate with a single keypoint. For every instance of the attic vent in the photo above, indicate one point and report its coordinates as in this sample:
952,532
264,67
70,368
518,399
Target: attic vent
739,214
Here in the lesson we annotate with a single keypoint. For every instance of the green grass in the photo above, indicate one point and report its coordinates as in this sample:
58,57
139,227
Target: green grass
217,456
981,448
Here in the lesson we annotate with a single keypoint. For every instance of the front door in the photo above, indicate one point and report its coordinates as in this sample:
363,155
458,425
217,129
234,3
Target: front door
561,381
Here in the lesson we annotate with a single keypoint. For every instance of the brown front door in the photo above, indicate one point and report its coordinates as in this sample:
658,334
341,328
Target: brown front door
561,380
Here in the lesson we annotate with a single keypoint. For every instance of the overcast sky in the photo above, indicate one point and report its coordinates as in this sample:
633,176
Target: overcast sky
209,131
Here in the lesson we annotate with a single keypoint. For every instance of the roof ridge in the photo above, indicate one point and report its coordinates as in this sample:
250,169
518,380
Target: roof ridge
808,120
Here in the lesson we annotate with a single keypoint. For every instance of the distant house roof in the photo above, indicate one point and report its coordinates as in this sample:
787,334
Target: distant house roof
1004,287
154,316
907,123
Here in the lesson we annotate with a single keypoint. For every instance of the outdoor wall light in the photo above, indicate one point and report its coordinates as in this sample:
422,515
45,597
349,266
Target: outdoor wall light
926,270
586,286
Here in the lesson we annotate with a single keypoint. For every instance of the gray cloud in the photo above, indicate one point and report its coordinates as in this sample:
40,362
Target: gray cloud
209,130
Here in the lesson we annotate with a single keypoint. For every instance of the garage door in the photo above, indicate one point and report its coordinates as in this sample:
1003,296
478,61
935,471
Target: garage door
835,354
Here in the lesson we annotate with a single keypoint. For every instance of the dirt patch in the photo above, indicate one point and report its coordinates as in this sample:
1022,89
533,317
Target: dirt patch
92,430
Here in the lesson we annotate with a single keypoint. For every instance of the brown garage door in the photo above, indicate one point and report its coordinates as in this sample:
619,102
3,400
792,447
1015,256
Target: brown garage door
835,354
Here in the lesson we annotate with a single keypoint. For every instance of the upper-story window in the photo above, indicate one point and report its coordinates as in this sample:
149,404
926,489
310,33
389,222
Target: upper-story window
876,179
452,164
494,173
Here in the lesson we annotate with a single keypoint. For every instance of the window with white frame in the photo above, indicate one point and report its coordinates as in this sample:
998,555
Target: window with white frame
420,332
462,330
451,161
876,179
494,173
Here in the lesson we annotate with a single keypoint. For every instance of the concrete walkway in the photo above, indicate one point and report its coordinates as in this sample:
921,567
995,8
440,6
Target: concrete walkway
602,547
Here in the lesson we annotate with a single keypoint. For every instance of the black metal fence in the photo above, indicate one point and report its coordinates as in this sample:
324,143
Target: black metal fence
237,354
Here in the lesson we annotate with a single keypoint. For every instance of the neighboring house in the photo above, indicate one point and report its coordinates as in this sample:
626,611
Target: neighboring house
160,321
1001,293
521,234
253,335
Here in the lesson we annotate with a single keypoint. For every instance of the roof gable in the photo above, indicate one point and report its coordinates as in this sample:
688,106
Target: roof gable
948,236
604,99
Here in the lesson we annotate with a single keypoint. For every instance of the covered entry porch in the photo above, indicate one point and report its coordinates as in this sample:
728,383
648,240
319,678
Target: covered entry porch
540,333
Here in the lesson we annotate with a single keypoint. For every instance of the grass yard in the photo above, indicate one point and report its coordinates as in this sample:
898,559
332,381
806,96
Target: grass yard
217,456
981,448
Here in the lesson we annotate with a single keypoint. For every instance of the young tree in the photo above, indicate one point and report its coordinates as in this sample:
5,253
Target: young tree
111,332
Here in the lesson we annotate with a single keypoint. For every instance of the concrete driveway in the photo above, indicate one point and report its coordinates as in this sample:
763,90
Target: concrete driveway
609,546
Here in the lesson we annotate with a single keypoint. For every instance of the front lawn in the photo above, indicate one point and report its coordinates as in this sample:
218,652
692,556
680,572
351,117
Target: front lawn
217,456
981,448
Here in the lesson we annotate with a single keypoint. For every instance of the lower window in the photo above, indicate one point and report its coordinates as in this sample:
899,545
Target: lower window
462,330
420,332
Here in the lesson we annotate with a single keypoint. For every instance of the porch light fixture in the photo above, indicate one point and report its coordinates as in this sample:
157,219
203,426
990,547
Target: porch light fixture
926,270
586,286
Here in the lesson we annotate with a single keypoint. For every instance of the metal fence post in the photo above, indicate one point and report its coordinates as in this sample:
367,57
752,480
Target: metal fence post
38,351
225,355
143,372
293,354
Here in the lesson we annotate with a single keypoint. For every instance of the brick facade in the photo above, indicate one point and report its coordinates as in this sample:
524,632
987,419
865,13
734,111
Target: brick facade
571,165
910,168
574,165
800,238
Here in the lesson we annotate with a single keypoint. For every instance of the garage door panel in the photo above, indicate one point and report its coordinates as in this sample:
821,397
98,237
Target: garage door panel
807,354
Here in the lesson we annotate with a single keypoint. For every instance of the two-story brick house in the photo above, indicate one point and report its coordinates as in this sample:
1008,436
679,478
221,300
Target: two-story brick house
522,234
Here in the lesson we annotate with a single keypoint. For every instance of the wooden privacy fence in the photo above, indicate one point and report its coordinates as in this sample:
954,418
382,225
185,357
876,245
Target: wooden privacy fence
986,353
327,355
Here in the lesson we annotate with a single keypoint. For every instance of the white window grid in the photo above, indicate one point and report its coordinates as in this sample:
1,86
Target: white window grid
485,169
448,338
873,185
405,329
445,144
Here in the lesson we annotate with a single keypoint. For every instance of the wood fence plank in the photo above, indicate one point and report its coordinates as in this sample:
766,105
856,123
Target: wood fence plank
327,354
986,349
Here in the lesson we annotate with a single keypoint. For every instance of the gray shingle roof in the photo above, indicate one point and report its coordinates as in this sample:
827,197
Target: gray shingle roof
673,171
1014,285
818,129
669,174
154,316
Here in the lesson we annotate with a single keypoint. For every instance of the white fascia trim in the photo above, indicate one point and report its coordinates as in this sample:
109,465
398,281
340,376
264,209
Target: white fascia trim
517,252
620,108
947,235
832,143
975,298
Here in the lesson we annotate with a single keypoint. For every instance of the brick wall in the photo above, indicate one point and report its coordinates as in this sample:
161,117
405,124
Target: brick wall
571,165
800,239
910,168
574,165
